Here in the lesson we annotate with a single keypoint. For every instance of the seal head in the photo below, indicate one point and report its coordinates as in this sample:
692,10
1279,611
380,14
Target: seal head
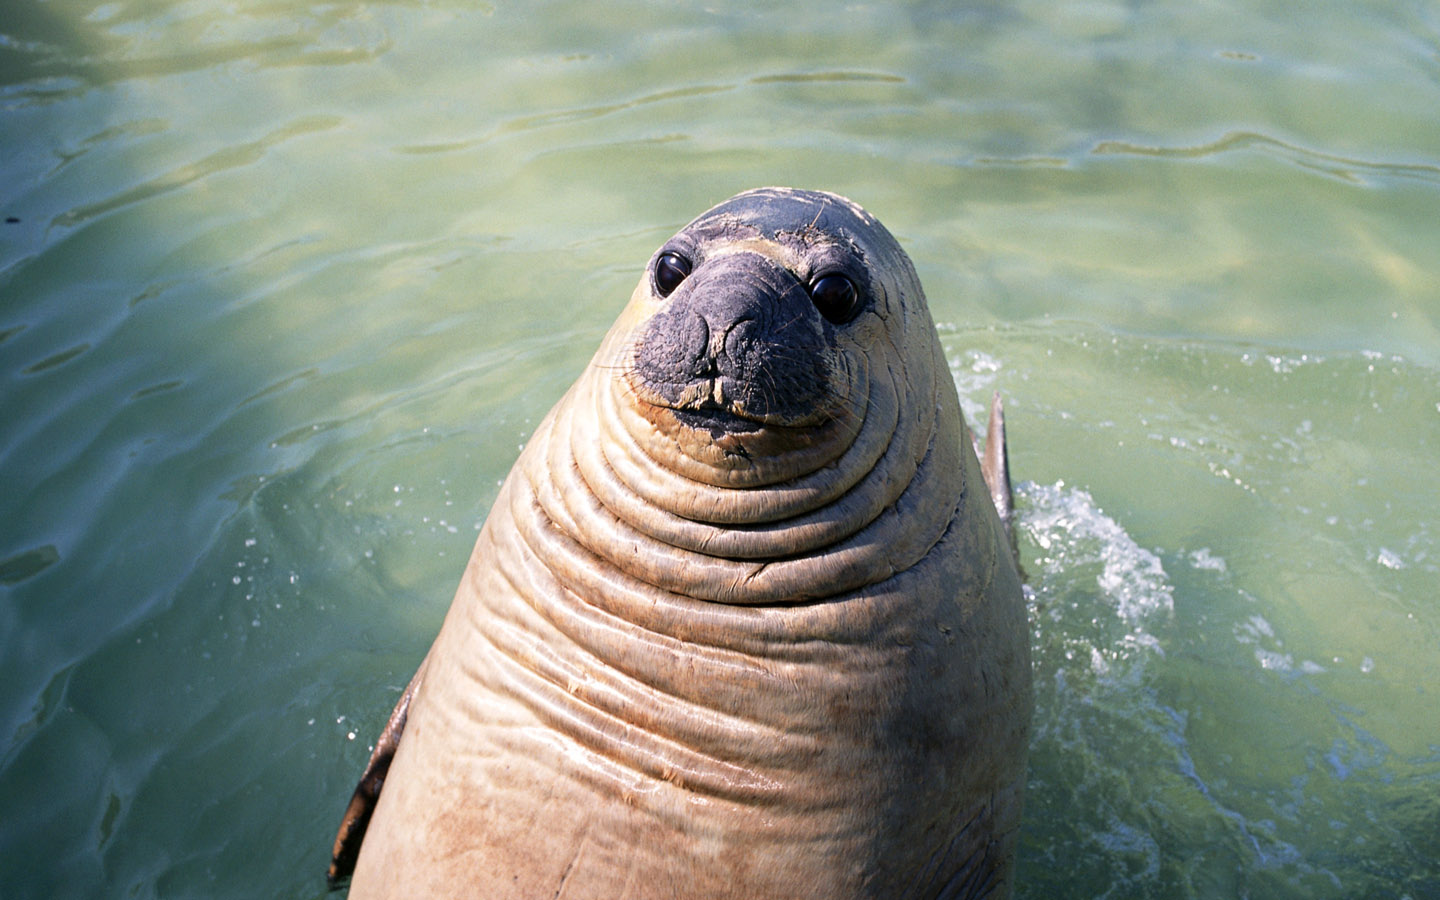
765,307
750,331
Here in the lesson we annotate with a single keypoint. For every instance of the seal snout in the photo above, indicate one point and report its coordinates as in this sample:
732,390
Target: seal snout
738,344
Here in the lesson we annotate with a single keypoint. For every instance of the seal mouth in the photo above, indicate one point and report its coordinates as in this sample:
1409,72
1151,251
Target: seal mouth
716,419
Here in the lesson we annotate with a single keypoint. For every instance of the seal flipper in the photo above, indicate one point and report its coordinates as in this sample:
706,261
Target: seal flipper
367,792
995,467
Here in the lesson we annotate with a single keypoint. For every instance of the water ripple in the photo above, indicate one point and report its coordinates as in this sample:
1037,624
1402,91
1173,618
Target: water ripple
1343,167
571,115
106,137
828,76
568,116
219,161
55,360
28,564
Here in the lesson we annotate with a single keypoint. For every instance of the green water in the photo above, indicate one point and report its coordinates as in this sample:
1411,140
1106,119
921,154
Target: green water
283,287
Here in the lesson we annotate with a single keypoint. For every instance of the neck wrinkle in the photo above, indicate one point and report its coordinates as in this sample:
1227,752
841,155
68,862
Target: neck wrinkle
645,462
765,534
591,642
859,551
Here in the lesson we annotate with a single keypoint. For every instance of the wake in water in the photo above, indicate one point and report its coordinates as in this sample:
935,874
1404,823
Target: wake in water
1076,539
1130,814
1235,681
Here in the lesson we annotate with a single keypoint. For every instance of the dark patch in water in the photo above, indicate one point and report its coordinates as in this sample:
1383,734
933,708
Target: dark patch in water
59,359
156,389
28,564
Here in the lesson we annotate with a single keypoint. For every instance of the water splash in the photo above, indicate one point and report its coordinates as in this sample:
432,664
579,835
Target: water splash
1093,574
1109,654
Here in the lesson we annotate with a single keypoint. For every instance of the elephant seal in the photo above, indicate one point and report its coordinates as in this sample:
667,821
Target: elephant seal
743,621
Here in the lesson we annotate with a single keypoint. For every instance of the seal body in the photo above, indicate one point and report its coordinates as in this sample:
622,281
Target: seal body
743,621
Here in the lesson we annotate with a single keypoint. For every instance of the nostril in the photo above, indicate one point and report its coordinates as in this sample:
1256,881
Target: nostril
697,346
697,331
738,338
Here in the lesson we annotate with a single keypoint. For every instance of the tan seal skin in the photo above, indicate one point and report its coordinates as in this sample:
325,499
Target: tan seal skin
743,621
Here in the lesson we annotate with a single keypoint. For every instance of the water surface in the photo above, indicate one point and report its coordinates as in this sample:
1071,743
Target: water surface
284,287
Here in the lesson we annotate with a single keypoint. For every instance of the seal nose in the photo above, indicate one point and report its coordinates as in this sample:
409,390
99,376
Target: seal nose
719,340
739,331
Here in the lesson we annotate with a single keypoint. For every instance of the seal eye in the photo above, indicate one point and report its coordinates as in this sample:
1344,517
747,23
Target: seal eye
670,270
835,297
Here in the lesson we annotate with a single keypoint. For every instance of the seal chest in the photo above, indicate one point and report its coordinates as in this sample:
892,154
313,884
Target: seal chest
743,621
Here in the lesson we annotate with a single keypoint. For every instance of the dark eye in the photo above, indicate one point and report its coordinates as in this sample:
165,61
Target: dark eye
835,297
670,270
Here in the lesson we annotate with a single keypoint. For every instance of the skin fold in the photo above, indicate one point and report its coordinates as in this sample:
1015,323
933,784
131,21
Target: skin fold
743,621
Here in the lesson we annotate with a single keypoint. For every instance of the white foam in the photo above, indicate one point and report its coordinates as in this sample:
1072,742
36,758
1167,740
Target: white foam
1204,559
1250,631
1074,531
975,374
1389,559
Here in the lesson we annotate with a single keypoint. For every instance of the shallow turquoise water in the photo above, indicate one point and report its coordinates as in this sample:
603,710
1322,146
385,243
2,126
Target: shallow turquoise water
283,287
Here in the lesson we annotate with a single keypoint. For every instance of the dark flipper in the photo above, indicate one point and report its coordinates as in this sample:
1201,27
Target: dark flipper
362,802
995,466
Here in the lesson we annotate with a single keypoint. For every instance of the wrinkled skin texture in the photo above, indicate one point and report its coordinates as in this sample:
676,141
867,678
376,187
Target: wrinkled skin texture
742,623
